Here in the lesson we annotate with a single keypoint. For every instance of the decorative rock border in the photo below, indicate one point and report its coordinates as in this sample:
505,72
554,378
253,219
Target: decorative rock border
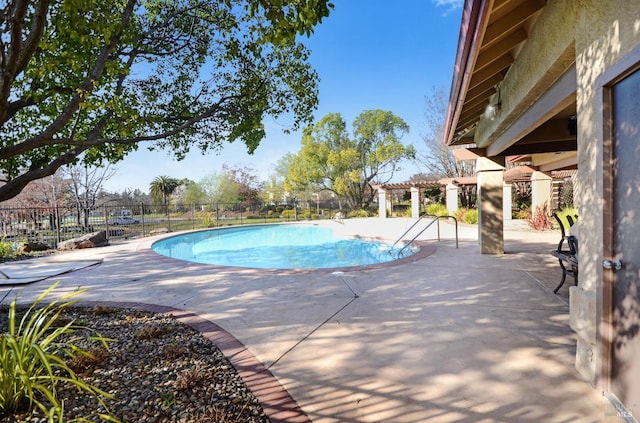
276,402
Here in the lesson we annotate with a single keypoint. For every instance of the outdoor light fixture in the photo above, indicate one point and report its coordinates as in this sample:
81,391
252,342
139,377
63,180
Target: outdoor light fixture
492,108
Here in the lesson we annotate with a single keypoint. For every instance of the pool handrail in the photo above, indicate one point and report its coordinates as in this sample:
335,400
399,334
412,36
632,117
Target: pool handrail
435,219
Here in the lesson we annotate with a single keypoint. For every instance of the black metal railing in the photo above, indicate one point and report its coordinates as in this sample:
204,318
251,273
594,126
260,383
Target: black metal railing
54,224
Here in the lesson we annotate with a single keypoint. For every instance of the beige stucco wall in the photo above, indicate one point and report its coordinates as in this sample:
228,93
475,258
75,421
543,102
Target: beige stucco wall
605,32
594,34
548,53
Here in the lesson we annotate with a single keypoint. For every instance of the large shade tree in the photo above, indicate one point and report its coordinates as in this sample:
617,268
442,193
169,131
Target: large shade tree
332,160
93,78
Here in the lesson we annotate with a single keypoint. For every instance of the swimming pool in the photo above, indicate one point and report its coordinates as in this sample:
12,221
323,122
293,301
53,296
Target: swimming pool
276,247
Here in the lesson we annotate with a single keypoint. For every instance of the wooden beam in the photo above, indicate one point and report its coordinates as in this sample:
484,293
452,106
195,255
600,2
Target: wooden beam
472,115
486,89
468,153
551,130
497,30
566,163
496,67
491,54
548,147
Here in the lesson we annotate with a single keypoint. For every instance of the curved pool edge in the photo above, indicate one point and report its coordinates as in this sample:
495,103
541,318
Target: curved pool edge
425,249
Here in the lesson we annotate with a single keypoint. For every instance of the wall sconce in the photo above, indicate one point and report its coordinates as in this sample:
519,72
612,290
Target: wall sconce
492,109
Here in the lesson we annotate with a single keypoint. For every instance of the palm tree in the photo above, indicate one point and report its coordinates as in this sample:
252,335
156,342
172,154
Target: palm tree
163,187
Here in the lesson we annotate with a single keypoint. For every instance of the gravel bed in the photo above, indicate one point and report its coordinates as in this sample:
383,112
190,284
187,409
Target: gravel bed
158,369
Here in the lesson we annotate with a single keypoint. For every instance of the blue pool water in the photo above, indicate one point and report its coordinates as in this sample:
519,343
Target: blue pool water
276,247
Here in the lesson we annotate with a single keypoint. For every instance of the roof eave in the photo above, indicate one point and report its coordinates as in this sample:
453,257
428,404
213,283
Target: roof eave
474,21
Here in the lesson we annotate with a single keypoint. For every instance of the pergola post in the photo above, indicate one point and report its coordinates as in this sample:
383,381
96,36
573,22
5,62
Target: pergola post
415,202
452,198
490,211
507,200
382,203
541,188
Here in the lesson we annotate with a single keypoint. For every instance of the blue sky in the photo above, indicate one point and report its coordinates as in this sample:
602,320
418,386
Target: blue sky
370,54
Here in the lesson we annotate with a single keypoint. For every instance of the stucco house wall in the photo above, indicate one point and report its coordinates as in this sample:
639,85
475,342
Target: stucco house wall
571,44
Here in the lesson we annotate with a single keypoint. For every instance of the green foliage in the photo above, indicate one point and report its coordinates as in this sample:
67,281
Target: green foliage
161,188
330,159
521,200
89,80
308,214
401,210
437,210
523,214
359,213
433,194
288,214
6,250
470,217
465,215
32,359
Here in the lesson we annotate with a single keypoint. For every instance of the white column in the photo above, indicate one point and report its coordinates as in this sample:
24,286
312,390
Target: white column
490,174
540,191
415,202
382,203
452,198
506,201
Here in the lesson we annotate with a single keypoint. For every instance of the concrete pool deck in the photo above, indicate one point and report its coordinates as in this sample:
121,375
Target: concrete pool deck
454,337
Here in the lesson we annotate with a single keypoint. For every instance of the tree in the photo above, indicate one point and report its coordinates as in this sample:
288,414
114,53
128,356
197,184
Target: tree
232,185
161,188
194,193
348,166
435,157
95,78
274,188
248,183
86,183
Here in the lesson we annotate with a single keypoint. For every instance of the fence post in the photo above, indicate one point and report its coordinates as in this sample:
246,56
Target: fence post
193,215
106,220
166,210
57,222
142,217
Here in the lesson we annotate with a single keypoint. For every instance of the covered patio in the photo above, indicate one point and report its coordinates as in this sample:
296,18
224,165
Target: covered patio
559,82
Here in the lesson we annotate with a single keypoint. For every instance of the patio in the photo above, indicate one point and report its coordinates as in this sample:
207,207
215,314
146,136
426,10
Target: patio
457,336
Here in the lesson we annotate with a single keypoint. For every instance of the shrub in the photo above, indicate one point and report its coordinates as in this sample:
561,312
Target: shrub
6,250
459,214
288,214
524,214
32,359
540,219
208,221
358,213
437,210
470,217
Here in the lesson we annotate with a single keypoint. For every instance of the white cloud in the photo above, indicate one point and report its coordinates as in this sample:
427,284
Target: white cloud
450,5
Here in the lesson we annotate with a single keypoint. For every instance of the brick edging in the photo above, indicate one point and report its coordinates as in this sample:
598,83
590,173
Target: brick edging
276,402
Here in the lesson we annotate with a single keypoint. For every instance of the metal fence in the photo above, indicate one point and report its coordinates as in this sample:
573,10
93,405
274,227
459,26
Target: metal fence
52,225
